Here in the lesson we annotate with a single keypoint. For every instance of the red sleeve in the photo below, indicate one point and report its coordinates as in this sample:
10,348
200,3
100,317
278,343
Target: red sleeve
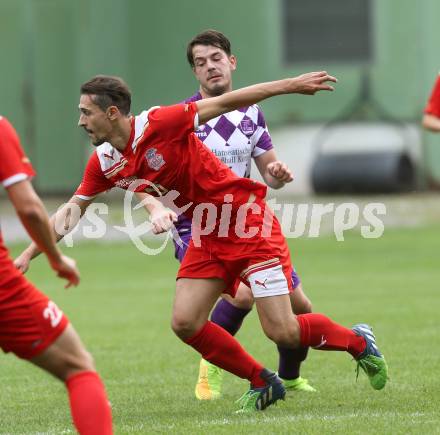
433,106
174,122
14,165
94,181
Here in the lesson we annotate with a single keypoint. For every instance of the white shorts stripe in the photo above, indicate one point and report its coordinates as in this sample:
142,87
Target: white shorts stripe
249,270
268,282
15,179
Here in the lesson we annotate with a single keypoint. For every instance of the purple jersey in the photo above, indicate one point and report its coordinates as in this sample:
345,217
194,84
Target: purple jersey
236,137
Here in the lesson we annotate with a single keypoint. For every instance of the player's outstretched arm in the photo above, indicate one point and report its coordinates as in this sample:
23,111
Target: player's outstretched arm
274,172
64,219
307,84
431,122
34,217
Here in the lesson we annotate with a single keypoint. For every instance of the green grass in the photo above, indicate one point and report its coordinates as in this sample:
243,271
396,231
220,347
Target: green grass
122,310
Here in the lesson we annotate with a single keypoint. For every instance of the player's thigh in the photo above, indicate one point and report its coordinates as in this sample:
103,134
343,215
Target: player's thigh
65,356
243,299
277,319
300,302
194,300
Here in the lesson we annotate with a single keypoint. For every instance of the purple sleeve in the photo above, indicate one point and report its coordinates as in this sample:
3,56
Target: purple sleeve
262,136
196,97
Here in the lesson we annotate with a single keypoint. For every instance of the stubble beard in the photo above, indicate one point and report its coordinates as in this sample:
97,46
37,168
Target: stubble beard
98,142
217,90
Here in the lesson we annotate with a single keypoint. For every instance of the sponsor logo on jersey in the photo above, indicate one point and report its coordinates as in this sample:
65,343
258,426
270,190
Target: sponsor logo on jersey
124,183
154,159
110,156
201,133
247,127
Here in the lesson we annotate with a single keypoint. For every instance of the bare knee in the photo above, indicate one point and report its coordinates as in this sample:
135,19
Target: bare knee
74,363
64,364
66,356
80,362
193,301
85,361
285,334
184,327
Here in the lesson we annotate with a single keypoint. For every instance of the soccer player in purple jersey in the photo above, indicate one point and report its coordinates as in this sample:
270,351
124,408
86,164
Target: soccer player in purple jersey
236,138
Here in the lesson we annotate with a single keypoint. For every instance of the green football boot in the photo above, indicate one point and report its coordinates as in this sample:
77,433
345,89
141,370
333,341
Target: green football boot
298,384
371,361
258,399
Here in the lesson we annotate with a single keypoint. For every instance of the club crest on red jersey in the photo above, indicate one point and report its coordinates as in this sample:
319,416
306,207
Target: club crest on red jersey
154,159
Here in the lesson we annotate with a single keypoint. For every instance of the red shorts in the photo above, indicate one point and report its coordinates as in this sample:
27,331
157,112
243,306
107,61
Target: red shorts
29,321
261,262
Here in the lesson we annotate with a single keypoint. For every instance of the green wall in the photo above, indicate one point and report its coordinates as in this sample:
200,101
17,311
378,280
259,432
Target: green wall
49,47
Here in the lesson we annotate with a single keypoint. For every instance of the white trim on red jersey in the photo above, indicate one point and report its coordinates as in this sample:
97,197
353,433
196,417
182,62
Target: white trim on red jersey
85,198
110,159
196,122
15,179
140,125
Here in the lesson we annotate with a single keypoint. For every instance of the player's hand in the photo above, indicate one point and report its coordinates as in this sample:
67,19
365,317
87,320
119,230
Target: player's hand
163,220
66,268
280,171
310,83
22,262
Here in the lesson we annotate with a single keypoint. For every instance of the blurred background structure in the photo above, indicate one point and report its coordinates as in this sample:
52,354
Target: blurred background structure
385,54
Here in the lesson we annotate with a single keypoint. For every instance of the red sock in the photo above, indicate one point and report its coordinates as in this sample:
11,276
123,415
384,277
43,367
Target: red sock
220,348
319,332
89,405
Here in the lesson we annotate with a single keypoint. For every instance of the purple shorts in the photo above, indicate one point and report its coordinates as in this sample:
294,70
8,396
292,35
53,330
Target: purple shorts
185,238
180,250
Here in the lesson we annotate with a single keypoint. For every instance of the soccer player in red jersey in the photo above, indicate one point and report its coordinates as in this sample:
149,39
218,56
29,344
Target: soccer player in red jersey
235,237
431,117
237,138
31,325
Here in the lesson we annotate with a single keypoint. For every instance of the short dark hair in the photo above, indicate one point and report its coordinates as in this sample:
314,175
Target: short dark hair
108,91
208,37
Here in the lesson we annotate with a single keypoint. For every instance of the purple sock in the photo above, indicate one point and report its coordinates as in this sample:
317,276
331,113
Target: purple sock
290,361
227,316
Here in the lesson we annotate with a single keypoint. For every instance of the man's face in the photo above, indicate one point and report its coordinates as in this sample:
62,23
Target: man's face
213,69
94,120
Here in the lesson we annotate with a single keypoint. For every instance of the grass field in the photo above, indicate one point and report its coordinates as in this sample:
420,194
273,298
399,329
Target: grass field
122,311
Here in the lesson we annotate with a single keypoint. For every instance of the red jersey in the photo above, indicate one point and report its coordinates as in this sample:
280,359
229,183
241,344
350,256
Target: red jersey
14,167
164,150
433,105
